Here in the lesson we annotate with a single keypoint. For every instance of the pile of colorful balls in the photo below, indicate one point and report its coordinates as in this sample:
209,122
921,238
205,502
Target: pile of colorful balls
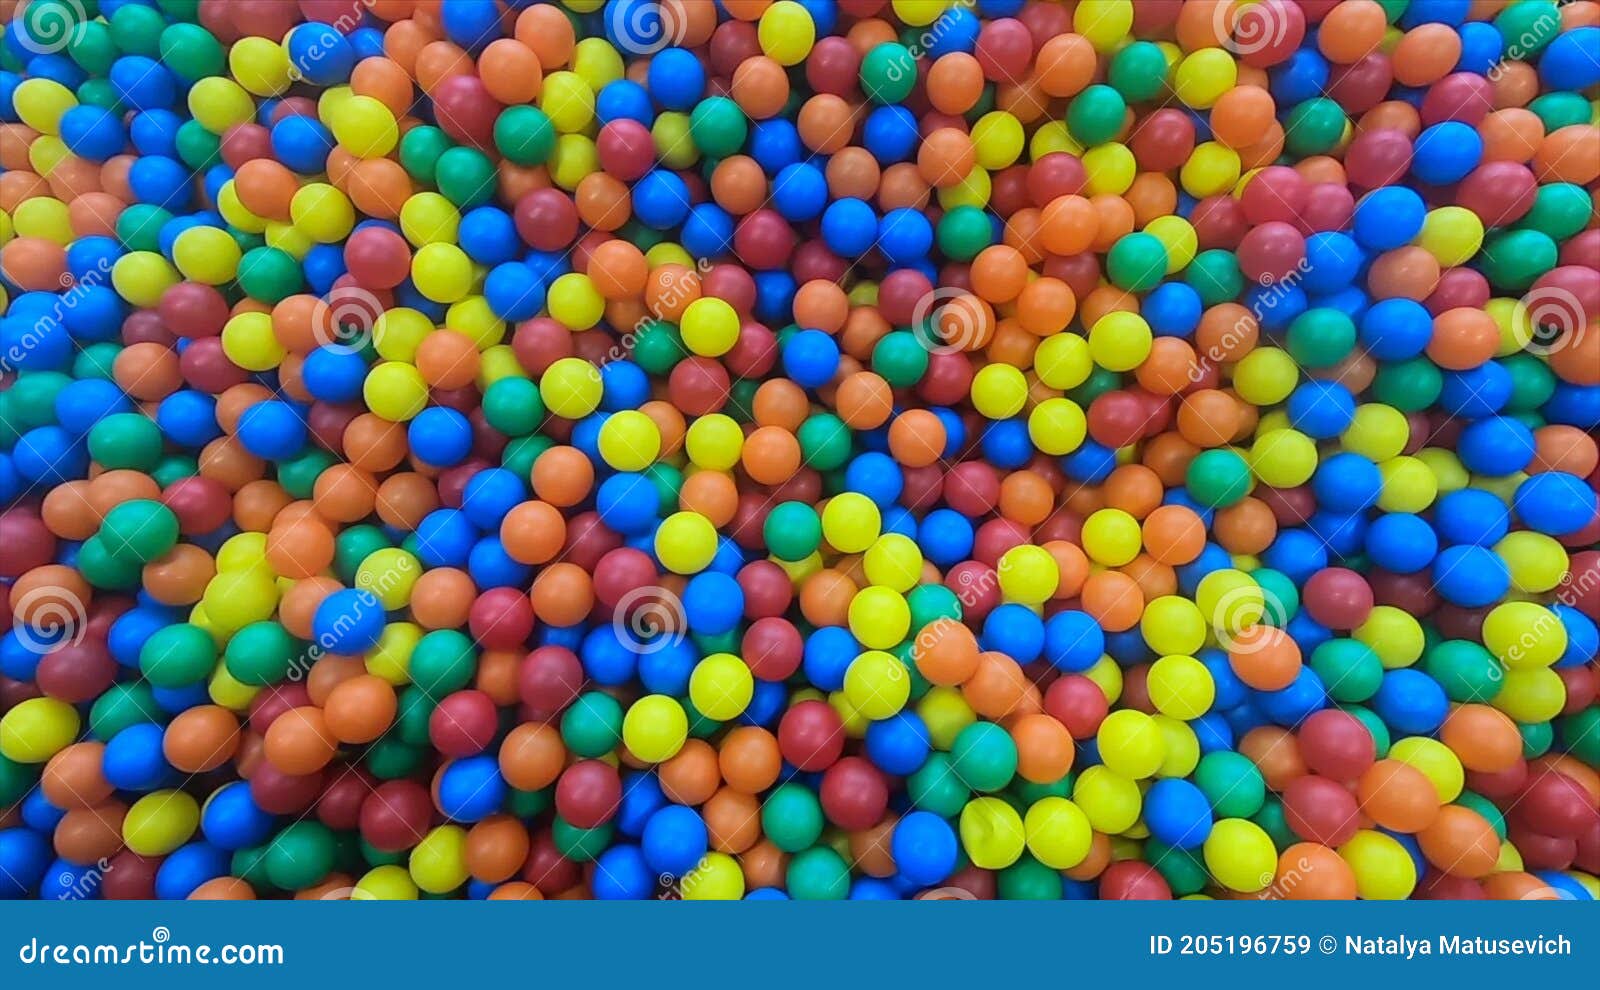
871,449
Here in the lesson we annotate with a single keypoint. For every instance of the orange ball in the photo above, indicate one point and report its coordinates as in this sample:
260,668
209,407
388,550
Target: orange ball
1310,871
201,739
749,759
298,742
1484,739
1397,796
771,455
510,71
1461,842
1044,748
532,756
945,652
359,709
1264,657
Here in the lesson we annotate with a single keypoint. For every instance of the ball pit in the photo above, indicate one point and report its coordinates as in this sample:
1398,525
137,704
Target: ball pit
799,449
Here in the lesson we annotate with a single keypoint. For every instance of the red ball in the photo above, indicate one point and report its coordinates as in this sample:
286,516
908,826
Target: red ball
463,723
1132,880
854,794
1321,810
811,736
1077,703
1338,598
396,815
501,619
772,648
588,793
550,679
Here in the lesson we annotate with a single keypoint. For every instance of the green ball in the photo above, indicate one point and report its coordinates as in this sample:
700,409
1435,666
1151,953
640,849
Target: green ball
122,705
1580,734
178,656
900,357
197,147
581,845
1467,671
524,135
792,531
658,347
1349,667
103,570
391,759
931,602
963,232
792,818
270,275
420,151
1537,738
1527,27
250,865
300,856
413,710
32,399
139,530
1218,478
137,30
99,93
1139,71
139,226
529,804
1321,337
299,474
668,481
825,441
1314,127
888,73
1376,727
1513,260
125,440
466,177
1183,869
1100,381
592,725
91,44
192,52
1560,210
1215,274
1231,783
1028,880
1137,262
1558,110
260,654
96,360
1095,115
16,780
1273,822
718,127
1532,382
523,451
819,873
935,787
513,406
443,661
1282,598
353,546
984,756
1409,386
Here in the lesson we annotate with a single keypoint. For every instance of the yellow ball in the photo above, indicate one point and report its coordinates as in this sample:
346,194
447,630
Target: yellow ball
997,137
1058,426
1103,22
262,66
429,218
218,103
721,686
1265,376
390,574
1182,747
1130,743
41,102
37,729
323,213
945,712
717,878
1109,169
160,822
438,863
385,883
397,333
1283,458
207,255
46,217
685,542
596,63
1524,635
655,728
142,277
879,617
1377,433
1213,168
1394,635
234,599
1058,833
893,561
571,388
1537,562
786,32
568,101
999,391
877,685
1452,234
1173,625
629,441
1110,800
710,327
1203,77
851,522
1111,537
1181,687
395,391
1384,869
1028,574
1531,694
714,441
442,272
1408,485
1120,341
1436,761
1063,361
1240,855
575,302
992,833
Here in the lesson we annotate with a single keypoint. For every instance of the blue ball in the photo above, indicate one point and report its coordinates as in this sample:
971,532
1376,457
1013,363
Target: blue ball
628,503
876,476
608,655
1446,152
1073,641
302,144
828,653
272,430
946,537
1411,702
708,231
1572,60
800,192
472,789
620,874
1401,542
624,99
675,839
133,759
676,78
1389,217
492,567
1178,813
1007,444
1014,630
231,819
189,418
93,132
849,227
899,744
24,856
1303,77
131,629
161,181
1495,446
67,881
472,24
323,55
490,494
1472,516
513,291
334,374
85,401
811,358
440,436
1173,309
1481,47
1555,503
1470,576
776,143
713,603
348,621
187,867
666,663
1290,706
1321,409
1583,636
1333,260
661,199
445,538
1230,692
891,134
624,385
924,848
143,83
904,236
1347,482
489,236
641,798
1476,392
1297,553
